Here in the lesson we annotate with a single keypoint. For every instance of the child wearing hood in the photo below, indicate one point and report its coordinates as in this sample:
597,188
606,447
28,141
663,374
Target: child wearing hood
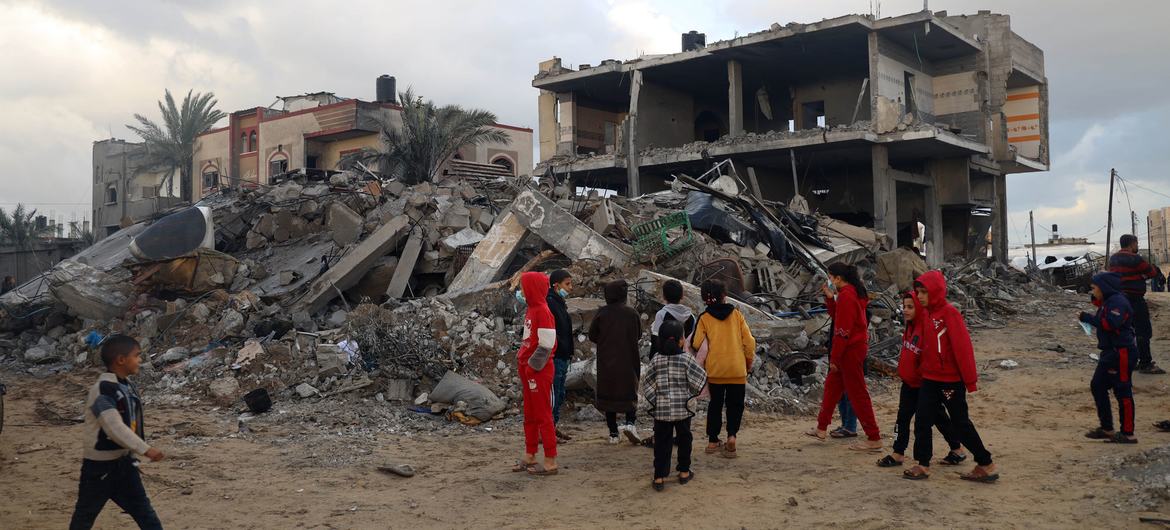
673,378
1117,341
731,348
948,373
536,375
910,371
616,329
672,293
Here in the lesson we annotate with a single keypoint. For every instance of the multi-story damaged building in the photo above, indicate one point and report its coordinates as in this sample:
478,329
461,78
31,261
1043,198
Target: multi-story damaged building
315,131
883,122
127,188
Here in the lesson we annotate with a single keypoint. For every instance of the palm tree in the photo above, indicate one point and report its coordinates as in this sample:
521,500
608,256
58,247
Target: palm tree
19,228
428,137
172,144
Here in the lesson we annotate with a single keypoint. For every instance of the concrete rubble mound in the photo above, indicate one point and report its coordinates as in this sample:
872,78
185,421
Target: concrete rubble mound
313,288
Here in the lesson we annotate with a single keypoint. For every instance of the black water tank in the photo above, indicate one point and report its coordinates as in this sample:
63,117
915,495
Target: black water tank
386,89
693,40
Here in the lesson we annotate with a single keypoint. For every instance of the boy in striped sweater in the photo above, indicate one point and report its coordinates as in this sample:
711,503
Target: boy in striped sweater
113,433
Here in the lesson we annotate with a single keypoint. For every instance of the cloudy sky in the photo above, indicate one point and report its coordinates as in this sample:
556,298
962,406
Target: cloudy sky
76,71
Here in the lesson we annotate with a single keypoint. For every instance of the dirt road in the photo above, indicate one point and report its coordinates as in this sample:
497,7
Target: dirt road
322,474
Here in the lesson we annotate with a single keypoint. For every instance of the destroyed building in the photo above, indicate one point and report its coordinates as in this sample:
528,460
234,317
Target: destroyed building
879,122
126,188
315,131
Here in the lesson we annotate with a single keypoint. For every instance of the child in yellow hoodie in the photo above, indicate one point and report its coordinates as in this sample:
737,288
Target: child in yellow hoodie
730,352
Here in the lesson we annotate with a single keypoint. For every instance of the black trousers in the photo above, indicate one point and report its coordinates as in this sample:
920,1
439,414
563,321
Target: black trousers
1107,378
731,396
1142,328
666,433
117,481
907,408
611,421
953,397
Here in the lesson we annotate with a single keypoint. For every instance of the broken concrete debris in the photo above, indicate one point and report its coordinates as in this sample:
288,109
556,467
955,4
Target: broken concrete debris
311,292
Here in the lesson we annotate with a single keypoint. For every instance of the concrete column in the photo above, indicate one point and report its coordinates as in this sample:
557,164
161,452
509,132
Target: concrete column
630,129
546,105
999,223
567,128
885,212
934,226
734,98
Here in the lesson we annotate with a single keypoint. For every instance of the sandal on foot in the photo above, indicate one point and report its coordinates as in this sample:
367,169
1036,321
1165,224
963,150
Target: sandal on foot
840,432
815,434
916,473
729,450
1098,434
979,475
658,486
1163,426
522,466
712,449
541,471
1119,438
888,461
683,480
953,459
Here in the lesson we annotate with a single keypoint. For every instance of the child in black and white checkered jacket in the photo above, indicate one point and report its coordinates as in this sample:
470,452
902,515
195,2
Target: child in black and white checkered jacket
672,380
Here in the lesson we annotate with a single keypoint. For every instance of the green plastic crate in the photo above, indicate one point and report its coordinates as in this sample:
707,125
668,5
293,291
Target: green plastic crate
652,239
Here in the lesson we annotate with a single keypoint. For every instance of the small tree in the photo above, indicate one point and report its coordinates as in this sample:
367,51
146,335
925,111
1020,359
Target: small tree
429,136
172,144
18,228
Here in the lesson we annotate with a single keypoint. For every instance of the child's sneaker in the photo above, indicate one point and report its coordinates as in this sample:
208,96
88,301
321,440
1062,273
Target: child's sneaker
613,439
632,434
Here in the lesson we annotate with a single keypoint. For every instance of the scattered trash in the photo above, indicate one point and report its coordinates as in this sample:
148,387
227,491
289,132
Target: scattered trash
1008,364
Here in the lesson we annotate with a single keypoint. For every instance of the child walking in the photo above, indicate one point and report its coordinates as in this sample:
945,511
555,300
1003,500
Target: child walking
616,330
910,371
731,348
948,373
1117,341
673,378
847,358
114,433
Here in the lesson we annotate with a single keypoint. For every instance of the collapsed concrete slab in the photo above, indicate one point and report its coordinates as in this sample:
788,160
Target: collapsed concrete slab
405,267
345,223
559,228
346,272
491,255
87,292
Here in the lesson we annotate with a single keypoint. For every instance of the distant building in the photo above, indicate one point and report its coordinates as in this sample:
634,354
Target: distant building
1159,239
317,130
125,190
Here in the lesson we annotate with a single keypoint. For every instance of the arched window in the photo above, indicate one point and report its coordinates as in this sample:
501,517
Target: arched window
243,142
505,162
210,177
277,164
252,143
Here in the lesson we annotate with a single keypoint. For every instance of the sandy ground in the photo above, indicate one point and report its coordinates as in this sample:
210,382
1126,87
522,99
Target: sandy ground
289,476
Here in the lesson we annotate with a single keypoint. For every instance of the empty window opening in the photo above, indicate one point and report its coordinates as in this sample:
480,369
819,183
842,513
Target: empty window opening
812,114
277,166
791,125
505,163
111,195
252,143
243,142
210,178
708,127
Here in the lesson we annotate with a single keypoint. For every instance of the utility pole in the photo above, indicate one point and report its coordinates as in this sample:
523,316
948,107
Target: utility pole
1133,222
1109,223
1032,224
1149,239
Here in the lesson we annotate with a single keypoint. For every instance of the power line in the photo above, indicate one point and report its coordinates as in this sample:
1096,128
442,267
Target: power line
1144,188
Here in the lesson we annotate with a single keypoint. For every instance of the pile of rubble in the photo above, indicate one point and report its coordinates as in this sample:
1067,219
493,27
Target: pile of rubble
339,283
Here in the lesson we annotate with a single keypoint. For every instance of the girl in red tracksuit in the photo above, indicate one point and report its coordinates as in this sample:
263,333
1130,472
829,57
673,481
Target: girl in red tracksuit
847,358
536,375
910,370
948,373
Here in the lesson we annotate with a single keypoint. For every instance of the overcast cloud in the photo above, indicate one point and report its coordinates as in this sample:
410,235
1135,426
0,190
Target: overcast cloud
76,71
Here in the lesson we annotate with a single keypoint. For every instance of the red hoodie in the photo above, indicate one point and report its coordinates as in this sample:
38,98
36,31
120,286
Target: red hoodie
850,327
540,330
954,359
913,345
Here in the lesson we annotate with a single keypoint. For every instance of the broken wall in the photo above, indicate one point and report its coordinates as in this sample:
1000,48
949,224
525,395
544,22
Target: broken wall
597,125
666,117
839,96
893,63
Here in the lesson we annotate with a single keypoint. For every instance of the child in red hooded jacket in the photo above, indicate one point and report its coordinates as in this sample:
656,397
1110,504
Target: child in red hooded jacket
910,370
536,375
847,358
948,373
